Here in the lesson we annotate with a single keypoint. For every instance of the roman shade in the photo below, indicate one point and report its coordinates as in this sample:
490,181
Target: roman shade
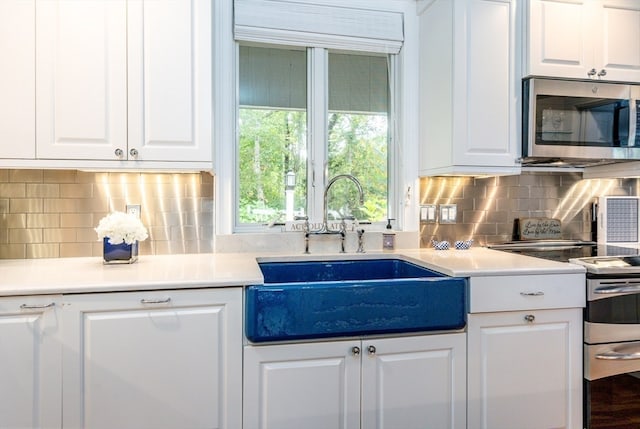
302,24
276,78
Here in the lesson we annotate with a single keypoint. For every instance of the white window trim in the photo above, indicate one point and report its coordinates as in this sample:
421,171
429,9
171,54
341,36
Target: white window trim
403,185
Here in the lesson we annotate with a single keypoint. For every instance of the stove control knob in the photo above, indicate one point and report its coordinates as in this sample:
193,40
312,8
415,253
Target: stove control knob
529,318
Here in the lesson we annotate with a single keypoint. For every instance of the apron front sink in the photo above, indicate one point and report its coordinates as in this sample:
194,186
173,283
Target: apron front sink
323,299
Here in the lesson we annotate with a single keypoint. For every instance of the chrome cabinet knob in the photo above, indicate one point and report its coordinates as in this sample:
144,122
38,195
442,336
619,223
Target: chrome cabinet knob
602,72
119,153
592,72
355,351
133,152
371,350
529,318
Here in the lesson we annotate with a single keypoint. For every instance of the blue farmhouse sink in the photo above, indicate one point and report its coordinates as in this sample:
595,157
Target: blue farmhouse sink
323,299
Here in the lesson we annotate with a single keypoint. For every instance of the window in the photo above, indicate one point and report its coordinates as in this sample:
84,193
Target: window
305,116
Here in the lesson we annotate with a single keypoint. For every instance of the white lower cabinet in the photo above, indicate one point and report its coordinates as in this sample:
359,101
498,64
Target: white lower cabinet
525,369
163,359
30,371
390,383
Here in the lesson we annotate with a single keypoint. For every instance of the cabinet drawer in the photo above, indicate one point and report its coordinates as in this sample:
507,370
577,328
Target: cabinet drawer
529,292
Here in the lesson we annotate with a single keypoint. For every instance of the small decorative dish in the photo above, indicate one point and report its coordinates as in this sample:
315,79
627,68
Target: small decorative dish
463,245
440,245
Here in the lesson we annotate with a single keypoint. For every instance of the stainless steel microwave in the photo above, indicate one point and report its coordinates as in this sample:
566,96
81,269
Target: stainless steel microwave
580,122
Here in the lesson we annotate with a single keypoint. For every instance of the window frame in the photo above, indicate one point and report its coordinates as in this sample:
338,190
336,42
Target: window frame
317,138
405,127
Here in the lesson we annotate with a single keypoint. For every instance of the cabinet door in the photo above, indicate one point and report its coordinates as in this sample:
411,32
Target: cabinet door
30,370
414,382
17,79
560,38
170,83
469,122
81,79
616,28
525,374
310,386
169,359
485,95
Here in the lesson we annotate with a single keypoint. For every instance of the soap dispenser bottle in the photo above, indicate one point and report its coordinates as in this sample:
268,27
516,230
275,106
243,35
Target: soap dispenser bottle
389,237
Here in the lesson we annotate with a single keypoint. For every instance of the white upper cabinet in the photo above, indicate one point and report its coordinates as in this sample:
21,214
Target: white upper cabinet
17,45
468,87
124,81
170,82
597,39
81,79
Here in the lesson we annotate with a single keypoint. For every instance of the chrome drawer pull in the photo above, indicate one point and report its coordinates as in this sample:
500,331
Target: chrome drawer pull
538,293
155,301
36,306
623,288
618,356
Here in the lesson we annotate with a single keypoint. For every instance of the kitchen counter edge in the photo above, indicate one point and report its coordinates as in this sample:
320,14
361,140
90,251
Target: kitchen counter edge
184,271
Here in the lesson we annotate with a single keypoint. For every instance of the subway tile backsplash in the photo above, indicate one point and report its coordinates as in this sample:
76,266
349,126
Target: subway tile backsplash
53,213
488,206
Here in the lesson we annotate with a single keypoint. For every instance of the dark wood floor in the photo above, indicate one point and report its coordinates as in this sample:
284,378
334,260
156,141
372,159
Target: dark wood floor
615,403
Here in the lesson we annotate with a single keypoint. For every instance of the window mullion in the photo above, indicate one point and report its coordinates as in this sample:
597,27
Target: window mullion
317,80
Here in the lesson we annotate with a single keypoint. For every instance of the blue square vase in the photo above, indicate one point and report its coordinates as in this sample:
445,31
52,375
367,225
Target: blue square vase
121,253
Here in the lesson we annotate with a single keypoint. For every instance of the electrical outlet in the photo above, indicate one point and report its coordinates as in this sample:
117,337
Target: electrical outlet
133,209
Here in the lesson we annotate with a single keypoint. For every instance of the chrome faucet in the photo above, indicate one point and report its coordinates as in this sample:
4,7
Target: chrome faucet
324,229
325,225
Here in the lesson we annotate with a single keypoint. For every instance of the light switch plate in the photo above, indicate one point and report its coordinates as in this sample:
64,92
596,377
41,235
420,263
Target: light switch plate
133,209
448,213
428,213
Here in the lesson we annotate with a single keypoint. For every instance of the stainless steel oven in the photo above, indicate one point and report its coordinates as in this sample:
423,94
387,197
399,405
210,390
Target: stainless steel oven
612,342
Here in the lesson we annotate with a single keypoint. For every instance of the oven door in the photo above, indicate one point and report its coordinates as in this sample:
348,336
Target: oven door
612,353
612,386
605,360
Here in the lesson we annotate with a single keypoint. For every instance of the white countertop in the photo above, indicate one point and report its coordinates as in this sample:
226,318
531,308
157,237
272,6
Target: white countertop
79,275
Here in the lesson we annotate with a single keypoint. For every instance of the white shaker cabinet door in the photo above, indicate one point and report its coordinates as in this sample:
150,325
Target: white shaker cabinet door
616,31
414,382
525,369
559,38
156,360
30,369
582,39
170,80
17,79
81,79
310,386
468,88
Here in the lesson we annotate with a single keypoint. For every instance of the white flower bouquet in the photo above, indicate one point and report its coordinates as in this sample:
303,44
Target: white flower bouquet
121,227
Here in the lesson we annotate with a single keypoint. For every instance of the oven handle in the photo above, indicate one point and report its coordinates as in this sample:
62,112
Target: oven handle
613,355
617,288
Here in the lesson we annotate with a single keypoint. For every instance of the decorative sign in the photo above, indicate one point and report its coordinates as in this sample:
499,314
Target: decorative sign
540,228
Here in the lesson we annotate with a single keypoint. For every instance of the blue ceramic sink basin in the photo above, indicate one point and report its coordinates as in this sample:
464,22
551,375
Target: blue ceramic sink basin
323,299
